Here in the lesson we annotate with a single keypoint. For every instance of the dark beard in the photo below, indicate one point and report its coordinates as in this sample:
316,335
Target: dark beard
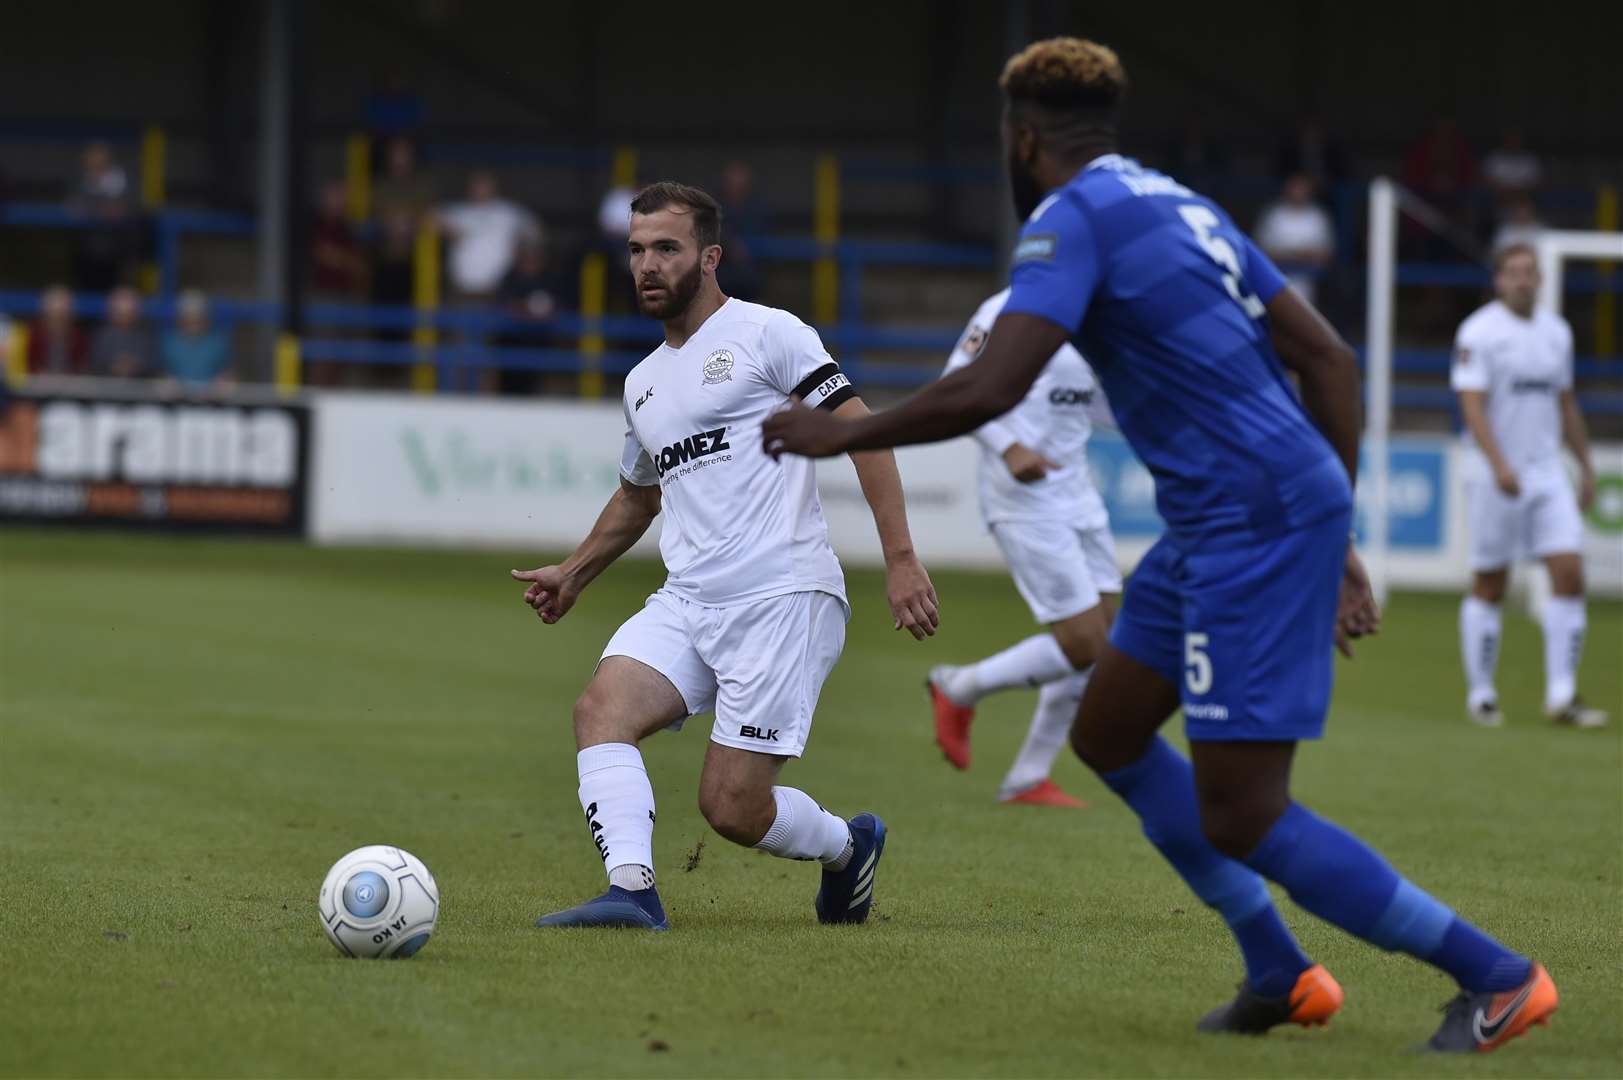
1026,191
678,296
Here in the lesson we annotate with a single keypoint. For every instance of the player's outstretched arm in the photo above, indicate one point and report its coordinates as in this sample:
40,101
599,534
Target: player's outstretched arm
1325,366
913,604
553,590
955,405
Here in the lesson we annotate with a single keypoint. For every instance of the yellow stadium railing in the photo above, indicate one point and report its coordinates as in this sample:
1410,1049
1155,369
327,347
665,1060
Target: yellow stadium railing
826,231
17,355
358,178
426,299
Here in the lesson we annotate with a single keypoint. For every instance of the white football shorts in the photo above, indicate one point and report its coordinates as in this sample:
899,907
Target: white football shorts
1060,570
759,666
1542,520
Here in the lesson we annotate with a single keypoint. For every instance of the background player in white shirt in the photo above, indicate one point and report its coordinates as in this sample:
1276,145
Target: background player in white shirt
1513,373
1038,500
751,618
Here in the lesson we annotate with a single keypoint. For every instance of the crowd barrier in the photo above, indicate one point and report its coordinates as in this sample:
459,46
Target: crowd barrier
341,468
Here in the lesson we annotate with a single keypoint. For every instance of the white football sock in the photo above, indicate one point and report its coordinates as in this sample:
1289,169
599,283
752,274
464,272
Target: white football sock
1480,625
1050,727
619,805
804,830
1564,624
1032,662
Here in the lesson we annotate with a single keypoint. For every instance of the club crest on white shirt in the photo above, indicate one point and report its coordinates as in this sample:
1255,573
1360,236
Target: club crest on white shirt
718,367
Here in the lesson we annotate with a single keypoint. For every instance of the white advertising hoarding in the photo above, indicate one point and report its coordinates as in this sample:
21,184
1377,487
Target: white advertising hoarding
396,469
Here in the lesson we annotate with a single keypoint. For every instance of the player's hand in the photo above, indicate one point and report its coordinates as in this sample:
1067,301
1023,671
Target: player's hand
1586,490
1356,611
1026,465
551,593
913,605
813,433
1507,481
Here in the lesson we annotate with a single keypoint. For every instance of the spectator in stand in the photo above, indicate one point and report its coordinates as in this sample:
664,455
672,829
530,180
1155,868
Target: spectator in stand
1520,226
339,270
534,291
194,354
1311,149
1441,170
56,345
122,349
401,190
533,294
1296,232
743,218
1511,169
486,233
102,194
614,229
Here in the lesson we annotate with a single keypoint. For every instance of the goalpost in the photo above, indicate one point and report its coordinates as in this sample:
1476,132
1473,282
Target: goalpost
1386,198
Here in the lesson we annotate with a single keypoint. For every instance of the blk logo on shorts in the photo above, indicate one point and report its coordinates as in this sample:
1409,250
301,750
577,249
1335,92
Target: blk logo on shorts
749,731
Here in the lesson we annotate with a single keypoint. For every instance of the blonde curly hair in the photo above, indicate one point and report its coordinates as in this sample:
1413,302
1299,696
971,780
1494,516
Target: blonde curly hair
1065,73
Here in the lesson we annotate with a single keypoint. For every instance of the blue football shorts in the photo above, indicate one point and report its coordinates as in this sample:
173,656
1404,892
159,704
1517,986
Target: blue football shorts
1246,632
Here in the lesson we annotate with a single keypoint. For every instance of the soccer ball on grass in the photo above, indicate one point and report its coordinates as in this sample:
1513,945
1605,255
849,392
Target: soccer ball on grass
379,901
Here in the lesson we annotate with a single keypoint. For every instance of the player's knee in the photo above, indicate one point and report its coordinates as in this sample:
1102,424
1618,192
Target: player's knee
737,813
1101,748
1567,577
1490,587
1083,638
1235,827
594,718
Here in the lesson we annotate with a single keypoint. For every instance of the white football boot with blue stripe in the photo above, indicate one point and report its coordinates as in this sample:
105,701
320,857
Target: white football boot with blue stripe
847,894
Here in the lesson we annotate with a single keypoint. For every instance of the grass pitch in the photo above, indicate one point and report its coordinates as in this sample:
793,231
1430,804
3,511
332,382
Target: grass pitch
192,731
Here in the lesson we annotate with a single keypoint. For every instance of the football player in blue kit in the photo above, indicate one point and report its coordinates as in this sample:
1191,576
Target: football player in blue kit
1234,612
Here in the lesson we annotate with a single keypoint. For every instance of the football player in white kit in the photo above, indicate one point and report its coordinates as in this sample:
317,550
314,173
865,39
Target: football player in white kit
751,618
1038,499
1513,372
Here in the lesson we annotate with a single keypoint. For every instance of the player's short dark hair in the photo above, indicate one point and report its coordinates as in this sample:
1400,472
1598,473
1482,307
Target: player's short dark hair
1066,79
1504,254
705,210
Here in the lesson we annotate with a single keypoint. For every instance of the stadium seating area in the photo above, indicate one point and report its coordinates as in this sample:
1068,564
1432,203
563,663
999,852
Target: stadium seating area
888,286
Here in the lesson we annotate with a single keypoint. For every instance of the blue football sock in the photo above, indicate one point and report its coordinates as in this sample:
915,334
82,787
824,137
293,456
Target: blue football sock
1337,877
1160,787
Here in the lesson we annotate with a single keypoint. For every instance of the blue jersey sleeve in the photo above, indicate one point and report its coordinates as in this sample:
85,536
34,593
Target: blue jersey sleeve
1056,265
1261,273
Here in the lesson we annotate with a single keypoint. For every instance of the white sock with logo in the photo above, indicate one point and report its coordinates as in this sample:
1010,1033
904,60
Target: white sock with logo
1480,625
1050,728
619,805
1036,661
804,830
1564,625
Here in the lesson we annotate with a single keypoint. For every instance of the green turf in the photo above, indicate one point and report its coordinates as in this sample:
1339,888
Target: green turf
191,731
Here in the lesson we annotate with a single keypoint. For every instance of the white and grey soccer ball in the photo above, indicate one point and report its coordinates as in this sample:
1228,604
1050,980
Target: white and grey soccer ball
379,901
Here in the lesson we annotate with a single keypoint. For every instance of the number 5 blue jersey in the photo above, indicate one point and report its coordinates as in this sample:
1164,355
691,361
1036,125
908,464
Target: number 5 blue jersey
1165,297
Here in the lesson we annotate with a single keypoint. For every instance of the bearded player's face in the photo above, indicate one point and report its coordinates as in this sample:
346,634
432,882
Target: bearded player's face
1023,185
666,263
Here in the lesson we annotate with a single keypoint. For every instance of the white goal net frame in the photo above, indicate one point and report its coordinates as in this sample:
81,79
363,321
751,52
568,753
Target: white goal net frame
1554,246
